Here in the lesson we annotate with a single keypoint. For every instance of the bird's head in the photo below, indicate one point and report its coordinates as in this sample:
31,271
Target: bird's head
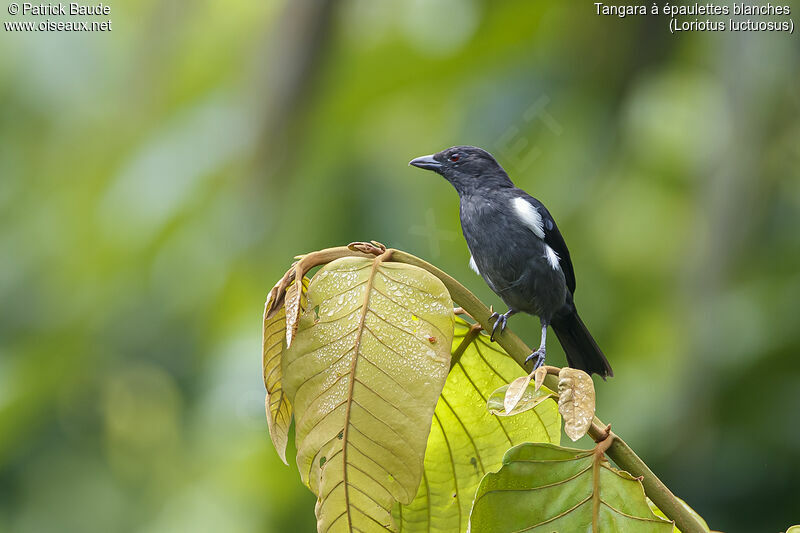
468,168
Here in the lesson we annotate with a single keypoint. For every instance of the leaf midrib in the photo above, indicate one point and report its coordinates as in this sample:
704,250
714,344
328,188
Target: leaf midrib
351,386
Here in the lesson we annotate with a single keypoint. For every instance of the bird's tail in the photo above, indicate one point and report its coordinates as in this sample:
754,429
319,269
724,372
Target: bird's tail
581,349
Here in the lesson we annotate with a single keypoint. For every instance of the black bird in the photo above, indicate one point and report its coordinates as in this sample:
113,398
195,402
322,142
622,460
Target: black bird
517,249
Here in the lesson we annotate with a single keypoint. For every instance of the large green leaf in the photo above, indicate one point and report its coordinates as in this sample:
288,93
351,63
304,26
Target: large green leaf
546,488
466,441
366,367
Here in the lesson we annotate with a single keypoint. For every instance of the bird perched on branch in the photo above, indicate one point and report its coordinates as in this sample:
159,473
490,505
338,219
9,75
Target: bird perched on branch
517,249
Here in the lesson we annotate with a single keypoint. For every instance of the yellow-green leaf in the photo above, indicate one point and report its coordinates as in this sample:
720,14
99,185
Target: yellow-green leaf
466,441
545,488
278,407
575,401
364,373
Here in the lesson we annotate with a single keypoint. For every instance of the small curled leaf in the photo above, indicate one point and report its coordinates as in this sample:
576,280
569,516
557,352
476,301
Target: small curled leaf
295,305
538,377
269,305
515,391
275,299
529,399
575,401
372,247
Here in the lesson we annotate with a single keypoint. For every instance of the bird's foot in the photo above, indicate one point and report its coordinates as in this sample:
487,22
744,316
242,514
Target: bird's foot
500,322
538,355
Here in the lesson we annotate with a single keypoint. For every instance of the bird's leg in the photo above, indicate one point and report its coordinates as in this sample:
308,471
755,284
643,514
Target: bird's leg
501,321
540,353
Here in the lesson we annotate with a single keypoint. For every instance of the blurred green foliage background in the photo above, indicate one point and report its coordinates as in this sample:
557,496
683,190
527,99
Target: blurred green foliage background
156,180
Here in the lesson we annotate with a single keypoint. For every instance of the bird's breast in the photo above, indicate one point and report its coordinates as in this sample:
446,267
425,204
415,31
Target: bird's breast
511,257
499,243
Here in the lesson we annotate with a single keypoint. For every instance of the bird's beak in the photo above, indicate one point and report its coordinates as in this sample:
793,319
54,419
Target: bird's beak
427,162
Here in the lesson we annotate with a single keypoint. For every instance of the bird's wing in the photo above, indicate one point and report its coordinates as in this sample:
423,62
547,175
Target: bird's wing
553,238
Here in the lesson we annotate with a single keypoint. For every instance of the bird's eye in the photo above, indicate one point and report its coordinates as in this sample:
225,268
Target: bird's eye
454,158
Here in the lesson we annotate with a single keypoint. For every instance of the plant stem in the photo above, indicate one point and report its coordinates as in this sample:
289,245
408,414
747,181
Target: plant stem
470,336
670,505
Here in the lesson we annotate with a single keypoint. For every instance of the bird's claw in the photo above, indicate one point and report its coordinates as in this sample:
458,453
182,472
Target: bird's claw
539,356
500,323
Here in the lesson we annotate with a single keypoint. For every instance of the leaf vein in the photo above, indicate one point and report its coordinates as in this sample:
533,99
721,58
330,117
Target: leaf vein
474,386
452,464
466,431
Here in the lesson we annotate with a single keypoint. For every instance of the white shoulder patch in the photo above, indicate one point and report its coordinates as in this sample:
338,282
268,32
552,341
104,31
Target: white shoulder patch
473,265
529,216
552,256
